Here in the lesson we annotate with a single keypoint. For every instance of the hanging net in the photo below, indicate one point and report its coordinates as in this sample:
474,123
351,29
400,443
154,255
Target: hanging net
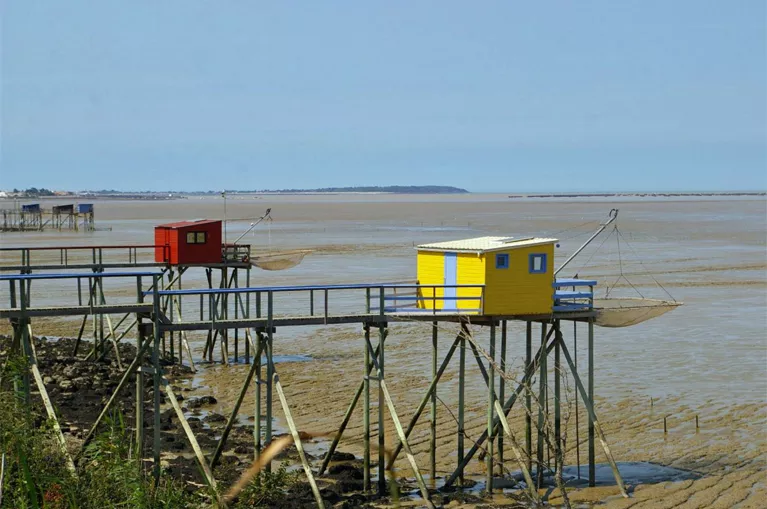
279,260
624,312
613,311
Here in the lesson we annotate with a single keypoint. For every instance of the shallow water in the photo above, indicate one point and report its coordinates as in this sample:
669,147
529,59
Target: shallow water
709,253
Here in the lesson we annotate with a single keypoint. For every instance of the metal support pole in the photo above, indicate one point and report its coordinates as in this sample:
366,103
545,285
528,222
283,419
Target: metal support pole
366,413
528,406
382,332
157,379
345,422
592,463
577,422
502,391
233,415
259,381
557,401
140,340
269,371
490,408
433,427
542,382
589,404
461,402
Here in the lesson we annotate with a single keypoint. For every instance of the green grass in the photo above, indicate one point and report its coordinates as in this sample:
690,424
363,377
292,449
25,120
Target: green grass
108,475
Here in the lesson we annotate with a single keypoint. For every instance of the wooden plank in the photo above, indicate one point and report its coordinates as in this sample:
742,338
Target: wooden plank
192,440
297,441
400,432
597,427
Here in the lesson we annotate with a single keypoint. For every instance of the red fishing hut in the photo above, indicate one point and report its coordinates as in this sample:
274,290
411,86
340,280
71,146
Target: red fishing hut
189,242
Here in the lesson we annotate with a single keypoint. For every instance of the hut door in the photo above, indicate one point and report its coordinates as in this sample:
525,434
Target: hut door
451,278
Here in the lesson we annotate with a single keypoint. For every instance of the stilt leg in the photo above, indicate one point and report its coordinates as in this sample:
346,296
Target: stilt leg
461,402
490,408
542,382
366,414
592,463
382,332
528,402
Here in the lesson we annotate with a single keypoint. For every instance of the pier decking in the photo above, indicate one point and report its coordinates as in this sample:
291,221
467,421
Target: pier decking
249,319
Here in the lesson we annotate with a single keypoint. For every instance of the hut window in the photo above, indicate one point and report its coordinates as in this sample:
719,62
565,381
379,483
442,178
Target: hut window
502,261
196,237
537,264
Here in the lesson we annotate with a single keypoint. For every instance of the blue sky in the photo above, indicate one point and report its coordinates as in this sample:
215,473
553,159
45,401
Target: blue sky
491,96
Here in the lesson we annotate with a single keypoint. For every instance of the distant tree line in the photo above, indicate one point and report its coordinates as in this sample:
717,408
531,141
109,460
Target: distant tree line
34,192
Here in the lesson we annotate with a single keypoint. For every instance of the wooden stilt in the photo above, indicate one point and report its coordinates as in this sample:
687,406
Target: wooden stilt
433,412
461,403
382,332
502,392
192,439
592,463
557,401
157,378
589,404
430,392
233,416
523,385
490,408
542,383
32,359
123,381
528,406
347,418
517,452
366,414
140,341
259,382
401,432
269,372
298,443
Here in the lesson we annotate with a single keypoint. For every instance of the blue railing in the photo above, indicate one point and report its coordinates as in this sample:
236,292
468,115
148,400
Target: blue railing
572,294
379,299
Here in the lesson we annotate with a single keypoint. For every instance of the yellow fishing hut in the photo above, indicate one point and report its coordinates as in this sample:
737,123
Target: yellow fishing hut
487,275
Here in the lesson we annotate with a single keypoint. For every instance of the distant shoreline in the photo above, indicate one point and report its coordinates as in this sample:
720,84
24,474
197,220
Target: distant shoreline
636,195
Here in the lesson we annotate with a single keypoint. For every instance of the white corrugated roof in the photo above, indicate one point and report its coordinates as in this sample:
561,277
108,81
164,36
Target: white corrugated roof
484,244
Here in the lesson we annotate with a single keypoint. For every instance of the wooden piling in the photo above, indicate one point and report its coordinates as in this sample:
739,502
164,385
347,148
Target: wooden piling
433,412
542,382
592,461
381,403
589,404
490,411
557,401
157,379
502,392
366,414
461,401
528,401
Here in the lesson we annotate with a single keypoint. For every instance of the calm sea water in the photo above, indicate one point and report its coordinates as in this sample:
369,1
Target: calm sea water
709,253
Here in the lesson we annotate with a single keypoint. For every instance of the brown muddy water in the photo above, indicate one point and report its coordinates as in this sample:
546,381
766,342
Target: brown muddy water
707,358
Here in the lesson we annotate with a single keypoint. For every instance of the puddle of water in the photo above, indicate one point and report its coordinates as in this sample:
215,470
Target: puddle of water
632,472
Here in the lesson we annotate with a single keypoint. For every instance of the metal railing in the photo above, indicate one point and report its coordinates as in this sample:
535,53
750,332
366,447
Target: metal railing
579,298
20,287
323,301
63,257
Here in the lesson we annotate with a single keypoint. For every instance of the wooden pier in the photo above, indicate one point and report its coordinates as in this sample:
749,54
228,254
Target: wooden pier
32,217
249,319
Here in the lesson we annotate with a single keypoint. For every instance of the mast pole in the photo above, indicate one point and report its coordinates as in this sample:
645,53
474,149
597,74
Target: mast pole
612,216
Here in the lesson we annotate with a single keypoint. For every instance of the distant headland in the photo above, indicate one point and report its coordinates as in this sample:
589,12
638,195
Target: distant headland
370,189
34,192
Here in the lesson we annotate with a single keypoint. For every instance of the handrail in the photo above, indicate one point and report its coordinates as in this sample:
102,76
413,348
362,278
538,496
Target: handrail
82,275
279,289
55,248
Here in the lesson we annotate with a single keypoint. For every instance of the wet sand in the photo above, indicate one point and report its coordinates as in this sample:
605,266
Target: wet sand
707,358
